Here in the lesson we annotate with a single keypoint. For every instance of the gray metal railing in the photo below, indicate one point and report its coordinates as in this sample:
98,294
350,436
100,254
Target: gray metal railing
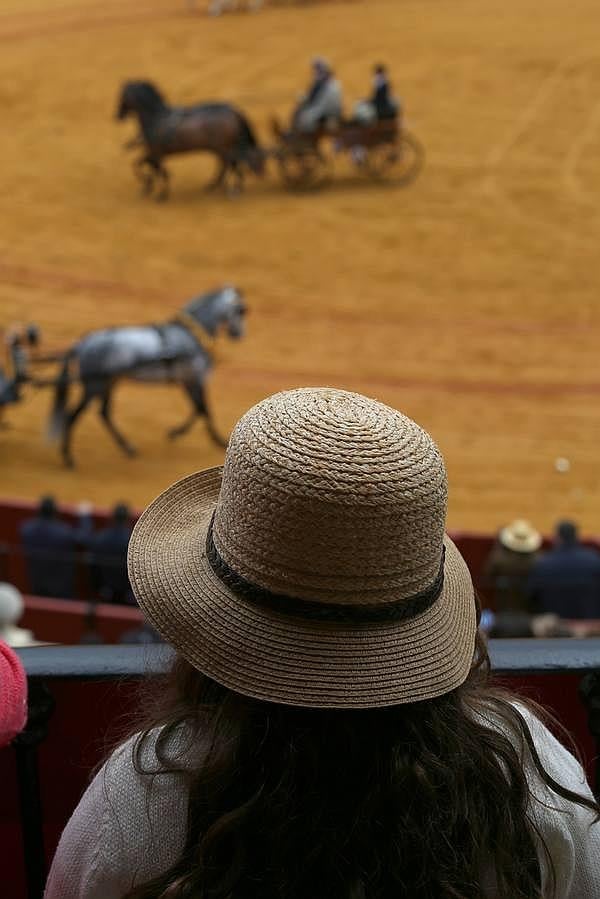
47,663
508,657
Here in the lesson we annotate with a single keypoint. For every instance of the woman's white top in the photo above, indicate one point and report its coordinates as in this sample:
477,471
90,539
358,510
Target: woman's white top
129,828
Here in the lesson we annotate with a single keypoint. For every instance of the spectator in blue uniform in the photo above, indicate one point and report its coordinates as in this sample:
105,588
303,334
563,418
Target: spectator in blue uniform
108,558
50,547
565,581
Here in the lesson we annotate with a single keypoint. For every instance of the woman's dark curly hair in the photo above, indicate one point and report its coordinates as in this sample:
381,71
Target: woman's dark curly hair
425,800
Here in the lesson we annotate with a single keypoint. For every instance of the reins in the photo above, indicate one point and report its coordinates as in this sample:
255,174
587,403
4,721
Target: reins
196,330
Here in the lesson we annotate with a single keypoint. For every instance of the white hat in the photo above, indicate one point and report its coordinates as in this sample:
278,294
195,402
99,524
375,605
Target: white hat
520,536
11,604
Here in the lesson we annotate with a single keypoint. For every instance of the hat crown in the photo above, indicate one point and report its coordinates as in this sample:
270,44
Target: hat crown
520,535
332,497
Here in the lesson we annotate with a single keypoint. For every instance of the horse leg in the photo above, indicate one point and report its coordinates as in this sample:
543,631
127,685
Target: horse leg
183,428
105,415
164,191
140,170
219,178
68,427
196,392
238,187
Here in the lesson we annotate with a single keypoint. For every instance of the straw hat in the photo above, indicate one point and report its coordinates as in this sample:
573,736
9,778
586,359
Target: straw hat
520,536
313,569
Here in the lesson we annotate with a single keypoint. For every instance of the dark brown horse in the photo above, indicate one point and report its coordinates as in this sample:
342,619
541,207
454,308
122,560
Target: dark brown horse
216,128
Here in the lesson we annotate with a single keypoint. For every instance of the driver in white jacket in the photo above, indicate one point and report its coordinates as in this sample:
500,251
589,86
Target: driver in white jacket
322,104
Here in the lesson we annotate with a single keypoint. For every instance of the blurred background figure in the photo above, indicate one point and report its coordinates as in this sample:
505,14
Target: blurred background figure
507,569
13,695
565,581
108,558
50,549
11,610
145,633
513,624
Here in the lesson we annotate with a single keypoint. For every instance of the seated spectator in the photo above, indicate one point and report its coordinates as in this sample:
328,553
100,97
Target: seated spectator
11,610
50,549
13,695
503,625
108,558
565,581
329,729
507,568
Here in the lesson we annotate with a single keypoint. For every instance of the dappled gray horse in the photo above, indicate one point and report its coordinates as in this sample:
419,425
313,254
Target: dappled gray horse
173,352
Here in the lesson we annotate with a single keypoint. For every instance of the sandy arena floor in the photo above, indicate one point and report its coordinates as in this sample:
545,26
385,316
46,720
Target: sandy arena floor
469,299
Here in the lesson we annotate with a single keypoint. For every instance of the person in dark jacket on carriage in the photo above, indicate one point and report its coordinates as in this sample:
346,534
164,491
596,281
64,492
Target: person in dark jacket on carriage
381,105
19,344
386,106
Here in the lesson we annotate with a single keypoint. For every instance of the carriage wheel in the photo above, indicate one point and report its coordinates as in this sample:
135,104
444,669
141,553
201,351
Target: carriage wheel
400,161
303,169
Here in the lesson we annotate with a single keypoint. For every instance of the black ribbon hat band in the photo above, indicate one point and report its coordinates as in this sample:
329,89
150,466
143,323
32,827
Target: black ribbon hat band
401,610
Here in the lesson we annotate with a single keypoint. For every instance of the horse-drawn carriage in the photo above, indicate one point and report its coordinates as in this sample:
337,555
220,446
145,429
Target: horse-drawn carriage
381,149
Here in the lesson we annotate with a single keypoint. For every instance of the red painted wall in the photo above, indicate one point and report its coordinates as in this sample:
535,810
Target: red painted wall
63,620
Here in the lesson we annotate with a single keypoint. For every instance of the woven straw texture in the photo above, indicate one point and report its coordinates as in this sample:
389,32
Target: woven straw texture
328,497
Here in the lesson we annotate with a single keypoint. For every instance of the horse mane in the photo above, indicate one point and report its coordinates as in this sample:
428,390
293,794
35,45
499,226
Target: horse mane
146,94
201,307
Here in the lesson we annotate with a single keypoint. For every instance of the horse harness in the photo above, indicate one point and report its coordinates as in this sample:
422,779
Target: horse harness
192,327
197,331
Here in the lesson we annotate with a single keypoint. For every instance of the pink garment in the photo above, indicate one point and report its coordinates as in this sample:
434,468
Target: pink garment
13,695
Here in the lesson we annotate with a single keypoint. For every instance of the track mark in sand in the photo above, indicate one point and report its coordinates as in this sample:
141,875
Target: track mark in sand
491,183
571,179
67,282
373,384
525,118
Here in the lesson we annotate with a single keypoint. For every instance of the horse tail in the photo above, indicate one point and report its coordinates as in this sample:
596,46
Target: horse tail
58,415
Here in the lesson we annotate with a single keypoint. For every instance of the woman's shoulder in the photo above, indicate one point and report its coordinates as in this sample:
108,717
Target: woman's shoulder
522,720
131,822
150,768
556,759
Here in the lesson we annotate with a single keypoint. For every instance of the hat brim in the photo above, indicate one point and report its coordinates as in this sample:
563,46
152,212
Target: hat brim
287,659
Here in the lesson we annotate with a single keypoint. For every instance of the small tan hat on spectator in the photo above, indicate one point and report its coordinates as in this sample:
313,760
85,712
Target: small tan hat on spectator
313,570
520,536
